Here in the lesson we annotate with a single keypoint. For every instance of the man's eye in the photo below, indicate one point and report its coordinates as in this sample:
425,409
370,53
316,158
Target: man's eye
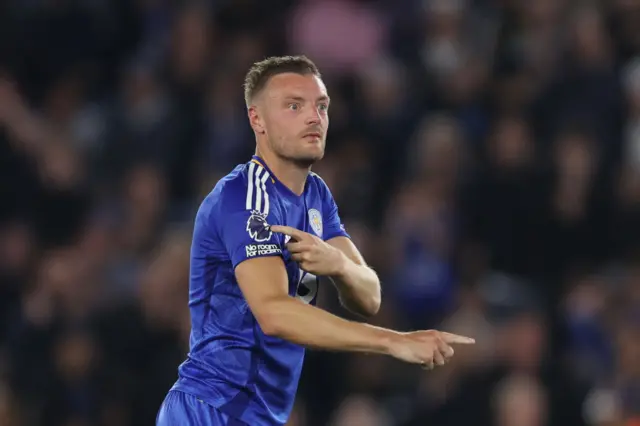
294,106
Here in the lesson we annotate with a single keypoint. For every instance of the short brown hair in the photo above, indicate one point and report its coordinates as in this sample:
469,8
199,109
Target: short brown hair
260,72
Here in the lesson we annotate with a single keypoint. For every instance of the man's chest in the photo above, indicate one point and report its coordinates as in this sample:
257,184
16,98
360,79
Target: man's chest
307,218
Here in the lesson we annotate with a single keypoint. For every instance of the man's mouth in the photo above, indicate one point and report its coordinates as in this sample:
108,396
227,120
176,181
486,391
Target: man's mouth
313,135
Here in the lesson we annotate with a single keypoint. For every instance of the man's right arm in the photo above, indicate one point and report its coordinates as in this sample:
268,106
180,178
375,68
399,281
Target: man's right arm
264,283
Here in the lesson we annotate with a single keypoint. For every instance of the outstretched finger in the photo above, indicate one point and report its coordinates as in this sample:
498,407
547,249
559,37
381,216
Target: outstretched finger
287,230
456,339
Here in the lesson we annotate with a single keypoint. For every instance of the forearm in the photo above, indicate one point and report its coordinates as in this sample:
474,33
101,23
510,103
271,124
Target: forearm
309,326
359,288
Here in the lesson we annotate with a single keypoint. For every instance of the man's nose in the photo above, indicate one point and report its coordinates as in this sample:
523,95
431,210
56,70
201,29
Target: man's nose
313,117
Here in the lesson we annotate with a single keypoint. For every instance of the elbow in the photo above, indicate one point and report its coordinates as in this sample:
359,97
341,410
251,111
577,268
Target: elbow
372,307
366,308
371,304
270,329
270,323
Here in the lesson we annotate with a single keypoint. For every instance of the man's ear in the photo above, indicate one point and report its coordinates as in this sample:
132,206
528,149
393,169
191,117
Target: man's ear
255,119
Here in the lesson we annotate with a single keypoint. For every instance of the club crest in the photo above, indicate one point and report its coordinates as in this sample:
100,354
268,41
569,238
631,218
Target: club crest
315,219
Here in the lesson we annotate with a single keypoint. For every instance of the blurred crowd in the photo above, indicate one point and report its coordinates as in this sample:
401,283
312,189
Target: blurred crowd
484,154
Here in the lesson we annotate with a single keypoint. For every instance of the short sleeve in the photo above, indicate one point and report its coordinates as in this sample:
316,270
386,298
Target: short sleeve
247,234
333,226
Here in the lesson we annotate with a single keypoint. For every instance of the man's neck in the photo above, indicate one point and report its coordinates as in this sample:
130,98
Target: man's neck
292,175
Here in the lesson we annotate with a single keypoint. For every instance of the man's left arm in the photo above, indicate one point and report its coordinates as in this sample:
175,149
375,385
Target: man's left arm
358,285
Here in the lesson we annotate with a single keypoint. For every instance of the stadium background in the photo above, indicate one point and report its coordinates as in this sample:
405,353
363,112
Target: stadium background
485,156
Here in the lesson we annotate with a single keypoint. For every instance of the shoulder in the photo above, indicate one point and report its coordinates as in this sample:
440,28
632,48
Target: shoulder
319,183
321,187
247,187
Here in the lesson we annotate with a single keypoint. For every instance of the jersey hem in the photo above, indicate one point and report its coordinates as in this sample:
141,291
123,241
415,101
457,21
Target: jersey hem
181,386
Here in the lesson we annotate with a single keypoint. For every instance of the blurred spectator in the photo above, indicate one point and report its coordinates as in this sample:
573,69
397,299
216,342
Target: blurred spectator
356,36
520,400
484,156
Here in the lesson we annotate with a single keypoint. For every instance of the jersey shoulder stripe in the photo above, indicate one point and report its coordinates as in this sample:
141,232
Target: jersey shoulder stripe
257,195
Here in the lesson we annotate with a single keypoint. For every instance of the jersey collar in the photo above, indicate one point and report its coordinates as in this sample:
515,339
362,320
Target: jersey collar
282,188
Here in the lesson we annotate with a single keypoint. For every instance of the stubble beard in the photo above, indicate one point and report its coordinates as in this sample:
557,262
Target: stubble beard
303,161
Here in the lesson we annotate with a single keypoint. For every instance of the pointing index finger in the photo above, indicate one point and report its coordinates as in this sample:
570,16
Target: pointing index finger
287,230
456,339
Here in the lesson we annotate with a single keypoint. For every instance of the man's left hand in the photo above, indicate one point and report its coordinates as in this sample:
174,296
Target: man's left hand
312,253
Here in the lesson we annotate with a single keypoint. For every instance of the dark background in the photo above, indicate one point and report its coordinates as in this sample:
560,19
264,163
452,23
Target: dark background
485,156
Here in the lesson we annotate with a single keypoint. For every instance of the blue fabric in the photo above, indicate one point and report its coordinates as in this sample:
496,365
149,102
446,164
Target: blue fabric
182,409
232,365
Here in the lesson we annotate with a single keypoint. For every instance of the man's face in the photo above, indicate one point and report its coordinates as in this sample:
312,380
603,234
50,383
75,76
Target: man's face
293,111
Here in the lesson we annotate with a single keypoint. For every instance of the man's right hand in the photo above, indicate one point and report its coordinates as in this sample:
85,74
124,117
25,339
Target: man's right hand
427,348
265,286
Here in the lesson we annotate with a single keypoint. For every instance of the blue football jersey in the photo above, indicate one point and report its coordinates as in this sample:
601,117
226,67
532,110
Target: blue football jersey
232,364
